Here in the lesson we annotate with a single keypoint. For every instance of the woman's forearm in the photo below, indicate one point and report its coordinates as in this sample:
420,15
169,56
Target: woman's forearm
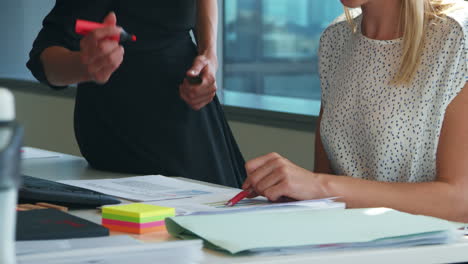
63,67
207,28
440,199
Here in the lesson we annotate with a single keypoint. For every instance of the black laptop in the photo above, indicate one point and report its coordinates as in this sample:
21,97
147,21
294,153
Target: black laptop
40,190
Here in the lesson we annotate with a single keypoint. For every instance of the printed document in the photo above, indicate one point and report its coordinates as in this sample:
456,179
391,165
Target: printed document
215,204
146,188
34,153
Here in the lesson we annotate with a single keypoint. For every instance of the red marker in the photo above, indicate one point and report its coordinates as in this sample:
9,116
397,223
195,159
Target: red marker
83,27
237,198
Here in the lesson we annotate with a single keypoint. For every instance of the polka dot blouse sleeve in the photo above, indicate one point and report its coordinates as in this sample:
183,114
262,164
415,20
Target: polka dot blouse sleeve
323,66
330,49
456,46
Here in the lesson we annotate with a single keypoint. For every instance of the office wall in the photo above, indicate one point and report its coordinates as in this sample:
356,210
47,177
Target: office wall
20,20
255,140
48,122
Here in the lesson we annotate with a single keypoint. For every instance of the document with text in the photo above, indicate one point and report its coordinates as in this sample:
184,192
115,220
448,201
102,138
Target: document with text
146,188
215,204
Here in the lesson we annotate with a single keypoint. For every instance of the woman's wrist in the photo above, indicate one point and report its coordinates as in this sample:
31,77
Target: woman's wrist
211,56
82,69
63,67
325,182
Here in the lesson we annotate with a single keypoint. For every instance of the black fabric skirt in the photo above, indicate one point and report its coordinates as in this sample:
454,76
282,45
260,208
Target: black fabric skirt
137,123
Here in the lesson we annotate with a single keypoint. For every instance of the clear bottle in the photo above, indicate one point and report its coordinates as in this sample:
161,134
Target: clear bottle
11,137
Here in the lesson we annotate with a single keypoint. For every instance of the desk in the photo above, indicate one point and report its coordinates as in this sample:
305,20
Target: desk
71,168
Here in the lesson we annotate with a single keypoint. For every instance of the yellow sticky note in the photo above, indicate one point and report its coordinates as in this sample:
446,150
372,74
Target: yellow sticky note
138,210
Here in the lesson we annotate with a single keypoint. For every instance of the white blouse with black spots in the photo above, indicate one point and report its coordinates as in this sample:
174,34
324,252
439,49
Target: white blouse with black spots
373,130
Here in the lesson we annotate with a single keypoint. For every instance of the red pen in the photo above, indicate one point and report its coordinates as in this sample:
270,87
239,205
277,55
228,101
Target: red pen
83,27
237,198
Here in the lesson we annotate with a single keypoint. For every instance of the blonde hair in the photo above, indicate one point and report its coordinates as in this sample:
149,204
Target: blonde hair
414,18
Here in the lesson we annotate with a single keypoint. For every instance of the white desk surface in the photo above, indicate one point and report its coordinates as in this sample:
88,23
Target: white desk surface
69,167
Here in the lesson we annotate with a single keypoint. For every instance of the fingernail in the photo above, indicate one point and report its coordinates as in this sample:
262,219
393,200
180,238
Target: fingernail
194,72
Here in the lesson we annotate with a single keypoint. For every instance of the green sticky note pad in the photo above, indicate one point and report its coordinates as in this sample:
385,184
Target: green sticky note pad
140,220
138,210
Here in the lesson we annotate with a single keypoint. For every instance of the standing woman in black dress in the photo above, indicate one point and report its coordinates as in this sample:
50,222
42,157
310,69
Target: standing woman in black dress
135,111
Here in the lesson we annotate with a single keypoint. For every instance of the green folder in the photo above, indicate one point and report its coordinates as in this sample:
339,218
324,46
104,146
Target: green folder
241,232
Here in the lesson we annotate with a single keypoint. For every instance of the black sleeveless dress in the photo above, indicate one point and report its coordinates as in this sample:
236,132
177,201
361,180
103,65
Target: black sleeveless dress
137,122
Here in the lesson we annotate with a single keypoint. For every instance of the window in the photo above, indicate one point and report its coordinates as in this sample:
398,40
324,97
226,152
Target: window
270,53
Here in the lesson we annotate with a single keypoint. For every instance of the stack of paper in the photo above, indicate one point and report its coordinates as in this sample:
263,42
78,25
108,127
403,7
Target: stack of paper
31,247
146,188
108,250
215,204
34,153
136,217
271,231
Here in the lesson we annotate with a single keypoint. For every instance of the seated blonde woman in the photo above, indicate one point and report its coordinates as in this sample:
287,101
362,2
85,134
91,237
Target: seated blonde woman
393,128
